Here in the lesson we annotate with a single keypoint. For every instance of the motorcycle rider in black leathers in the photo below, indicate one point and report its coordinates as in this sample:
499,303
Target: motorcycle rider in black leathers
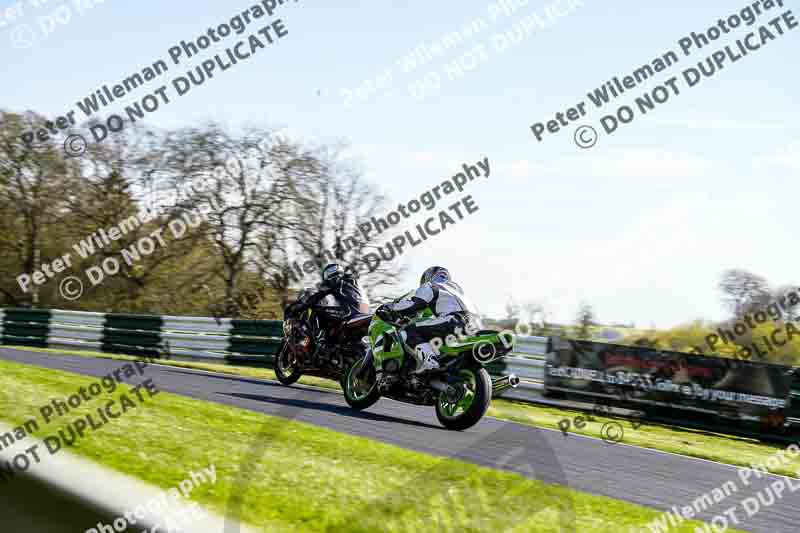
453,314
340,295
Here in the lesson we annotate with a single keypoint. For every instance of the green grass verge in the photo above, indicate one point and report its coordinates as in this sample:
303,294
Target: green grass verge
738,451
300,477
728,449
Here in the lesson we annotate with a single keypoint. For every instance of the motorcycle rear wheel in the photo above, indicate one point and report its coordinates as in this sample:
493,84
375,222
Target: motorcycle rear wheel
467,411
287,370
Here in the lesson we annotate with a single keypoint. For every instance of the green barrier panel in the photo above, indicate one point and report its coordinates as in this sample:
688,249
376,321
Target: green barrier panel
27,315
26,327
10,340
132,334
21,329
145,322
253,346
257,328
135,338
132,342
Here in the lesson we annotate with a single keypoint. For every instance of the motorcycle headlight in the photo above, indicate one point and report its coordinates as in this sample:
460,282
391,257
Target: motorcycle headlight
287,328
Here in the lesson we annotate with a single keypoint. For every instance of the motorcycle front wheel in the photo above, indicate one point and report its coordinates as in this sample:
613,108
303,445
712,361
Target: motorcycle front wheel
473,402
287,369
360,386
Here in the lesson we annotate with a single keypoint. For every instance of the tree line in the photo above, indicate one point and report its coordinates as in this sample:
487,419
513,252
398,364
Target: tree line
246,209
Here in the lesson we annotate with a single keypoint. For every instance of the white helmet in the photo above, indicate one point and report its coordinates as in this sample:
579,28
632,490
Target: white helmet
436,274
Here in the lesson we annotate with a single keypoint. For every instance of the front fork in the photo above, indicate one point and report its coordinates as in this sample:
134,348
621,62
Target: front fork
366,362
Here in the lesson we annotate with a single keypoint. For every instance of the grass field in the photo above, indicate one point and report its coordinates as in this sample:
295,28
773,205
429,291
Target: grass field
739,451
290,476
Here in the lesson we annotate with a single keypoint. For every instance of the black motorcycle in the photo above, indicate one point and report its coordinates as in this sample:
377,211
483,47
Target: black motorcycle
320,341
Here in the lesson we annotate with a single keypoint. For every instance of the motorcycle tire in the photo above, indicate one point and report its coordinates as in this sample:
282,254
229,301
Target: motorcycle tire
359,400
286,373
474,404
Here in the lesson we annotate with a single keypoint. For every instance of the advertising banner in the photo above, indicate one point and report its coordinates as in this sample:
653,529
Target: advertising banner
729,387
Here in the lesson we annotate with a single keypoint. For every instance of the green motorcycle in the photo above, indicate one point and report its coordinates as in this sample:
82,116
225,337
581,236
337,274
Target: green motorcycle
461,389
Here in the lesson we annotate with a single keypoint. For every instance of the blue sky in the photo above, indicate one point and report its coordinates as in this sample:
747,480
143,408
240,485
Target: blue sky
641,225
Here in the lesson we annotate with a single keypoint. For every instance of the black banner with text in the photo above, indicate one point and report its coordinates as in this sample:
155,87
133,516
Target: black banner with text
728,387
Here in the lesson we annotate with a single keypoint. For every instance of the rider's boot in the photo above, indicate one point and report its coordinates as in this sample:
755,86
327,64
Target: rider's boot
426,358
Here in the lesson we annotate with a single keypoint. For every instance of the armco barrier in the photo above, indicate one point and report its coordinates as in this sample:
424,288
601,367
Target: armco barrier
146,335
209,339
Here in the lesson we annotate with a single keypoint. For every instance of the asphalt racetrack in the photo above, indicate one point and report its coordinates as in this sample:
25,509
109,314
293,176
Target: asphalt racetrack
654,479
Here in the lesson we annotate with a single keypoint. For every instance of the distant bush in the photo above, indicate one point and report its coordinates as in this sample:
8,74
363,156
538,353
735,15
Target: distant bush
762,344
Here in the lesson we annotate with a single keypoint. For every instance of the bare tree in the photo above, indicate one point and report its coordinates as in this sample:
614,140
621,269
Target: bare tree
785,299
105,198
743,291
584,320
337,199
34,181
223,177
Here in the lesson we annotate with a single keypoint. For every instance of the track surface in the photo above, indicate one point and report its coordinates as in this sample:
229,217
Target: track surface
645,477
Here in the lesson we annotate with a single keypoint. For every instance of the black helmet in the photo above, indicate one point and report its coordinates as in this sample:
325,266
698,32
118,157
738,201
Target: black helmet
435,274
332,272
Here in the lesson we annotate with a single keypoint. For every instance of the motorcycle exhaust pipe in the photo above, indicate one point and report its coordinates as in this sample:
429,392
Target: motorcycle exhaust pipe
510,381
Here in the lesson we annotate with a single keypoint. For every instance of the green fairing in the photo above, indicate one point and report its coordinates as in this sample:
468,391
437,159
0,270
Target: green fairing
379,330
461,390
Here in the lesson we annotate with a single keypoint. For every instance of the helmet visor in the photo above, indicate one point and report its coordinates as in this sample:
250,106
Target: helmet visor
440,276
